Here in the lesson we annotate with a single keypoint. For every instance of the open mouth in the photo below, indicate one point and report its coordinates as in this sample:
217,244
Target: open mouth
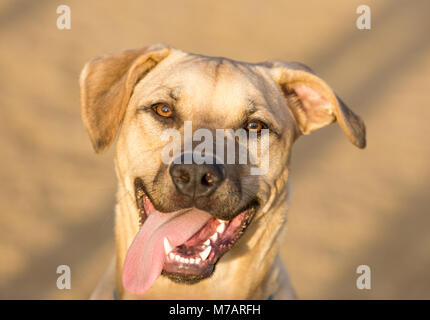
184,245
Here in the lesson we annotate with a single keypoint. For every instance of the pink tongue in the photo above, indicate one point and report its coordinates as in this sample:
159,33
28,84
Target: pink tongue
145,257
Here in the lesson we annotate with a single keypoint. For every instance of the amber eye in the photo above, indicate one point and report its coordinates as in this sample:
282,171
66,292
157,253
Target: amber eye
163,110
255,125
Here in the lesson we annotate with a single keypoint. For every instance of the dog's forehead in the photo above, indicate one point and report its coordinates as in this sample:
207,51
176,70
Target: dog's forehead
216,83
213,85
216,91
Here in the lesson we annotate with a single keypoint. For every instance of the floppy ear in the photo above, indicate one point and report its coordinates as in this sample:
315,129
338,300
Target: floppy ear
313,104
106,85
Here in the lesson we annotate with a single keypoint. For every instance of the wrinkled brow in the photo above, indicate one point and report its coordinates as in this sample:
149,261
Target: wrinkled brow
172,92
258,109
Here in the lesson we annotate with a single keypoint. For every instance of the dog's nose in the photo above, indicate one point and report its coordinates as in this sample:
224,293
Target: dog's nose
196,180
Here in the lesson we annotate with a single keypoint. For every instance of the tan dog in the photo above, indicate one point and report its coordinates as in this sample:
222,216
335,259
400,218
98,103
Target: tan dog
211,230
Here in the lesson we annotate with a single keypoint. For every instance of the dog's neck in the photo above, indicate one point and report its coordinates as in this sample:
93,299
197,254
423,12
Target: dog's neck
240,274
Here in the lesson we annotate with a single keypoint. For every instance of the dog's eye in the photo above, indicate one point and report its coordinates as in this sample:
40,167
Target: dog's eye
255,125
163,110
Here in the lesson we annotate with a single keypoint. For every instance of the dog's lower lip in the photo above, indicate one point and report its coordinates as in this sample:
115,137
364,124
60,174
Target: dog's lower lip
195,259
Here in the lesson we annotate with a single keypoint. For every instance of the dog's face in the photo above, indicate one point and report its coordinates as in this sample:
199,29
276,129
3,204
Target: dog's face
211,94
192,212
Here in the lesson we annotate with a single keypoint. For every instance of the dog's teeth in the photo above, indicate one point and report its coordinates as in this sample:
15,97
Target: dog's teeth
167,246
187,260
192,260
220,228
205,253
198,260
221,221
177,258
171,255
182,260
207,242
214,237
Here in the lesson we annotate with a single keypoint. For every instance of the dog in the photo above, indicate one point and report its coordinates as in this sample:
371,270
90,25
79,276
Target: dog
211,230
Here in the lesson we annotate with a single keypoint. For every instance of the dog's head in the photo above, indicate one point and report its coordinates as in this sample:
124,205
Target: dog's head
204,147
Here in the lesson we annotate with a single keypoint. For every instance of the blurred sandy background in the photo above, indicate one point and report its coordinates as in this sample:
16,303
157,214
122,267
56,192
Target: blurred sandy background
349,207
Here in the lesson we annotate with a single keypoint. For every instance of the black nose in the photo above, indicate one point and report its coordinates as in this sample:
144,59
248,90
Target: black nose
196,180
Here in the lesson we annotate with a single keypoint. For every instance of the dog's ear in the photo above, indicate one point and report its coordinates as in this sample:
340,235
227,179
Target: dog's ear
313,103
106,85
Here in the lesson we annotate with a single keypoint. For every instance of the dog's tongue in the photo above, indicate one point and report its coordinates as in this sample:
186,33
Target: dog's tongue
145,257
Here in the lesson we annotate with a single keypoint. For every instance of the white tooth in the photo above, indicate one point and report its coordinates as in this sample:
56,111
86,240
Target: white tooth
214,237
220,228
192,260
177,258
182,260
187,260
167,246
205,253
171,255
207,242
198,260
221,221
